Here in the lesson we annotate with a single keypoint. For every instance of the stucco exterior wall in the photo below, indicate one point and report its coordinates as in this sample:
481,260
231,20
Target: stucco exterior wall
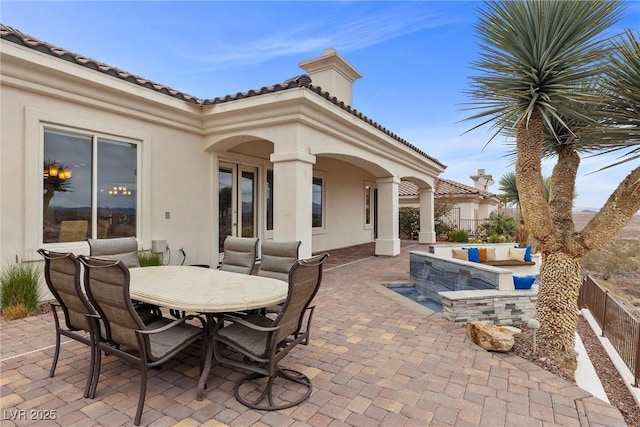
181,145
344,211
174,173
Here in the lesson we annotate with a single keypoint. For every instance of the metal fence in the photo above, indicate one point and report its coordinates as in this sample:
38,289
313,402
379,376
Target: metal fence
620,326
452,219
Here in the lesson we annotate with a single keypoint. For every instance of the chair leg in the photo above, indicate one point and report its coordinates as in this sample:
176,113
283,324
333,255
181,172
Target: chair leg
52,371
96,374
95,355
287,375
143,393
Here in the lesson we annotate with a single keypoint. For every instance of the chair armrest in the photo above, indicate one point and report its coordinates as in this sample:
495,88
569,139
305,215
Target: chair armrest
234,319
173,325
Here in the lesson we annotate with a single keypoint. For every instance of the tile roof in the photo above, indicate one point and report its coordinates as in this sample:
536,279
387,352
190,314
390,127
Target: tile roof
444,187
15,36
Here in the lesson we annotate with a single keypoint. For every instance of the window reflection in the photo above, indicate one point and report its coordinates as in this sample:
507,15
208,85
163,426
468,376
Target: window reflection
316,209
225,186
269,199
68,187
248,202
117,189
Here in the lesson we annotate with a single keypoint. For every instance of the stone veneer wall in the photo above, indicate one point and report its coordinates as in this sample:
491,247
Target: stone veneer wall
498,307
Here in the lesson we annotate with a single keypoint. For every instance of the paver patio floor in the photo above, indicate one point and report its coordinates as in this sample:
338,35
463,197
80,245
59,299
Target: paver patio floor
374,359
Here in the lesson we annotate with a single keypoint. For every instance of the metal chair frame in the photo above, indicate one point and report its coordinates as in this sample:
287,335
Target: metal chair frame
124,329
263,342
64,284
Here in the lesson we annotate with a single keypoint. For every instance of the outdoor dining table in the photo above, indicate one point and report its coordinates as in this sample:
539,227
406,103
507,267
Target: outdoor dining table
207,291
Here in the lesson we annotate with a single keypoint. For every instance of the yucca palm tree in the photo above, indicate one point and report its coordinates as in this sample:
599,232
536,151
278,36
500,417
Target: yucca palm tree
545,72
509,189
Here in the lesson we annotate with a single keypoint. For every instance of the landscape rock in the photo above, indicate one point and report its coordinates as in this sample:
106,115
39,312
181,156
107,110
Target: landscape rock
491,337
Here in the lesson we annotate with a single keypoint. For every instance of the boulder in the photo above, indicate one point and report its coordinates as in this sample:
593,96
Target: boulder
491,337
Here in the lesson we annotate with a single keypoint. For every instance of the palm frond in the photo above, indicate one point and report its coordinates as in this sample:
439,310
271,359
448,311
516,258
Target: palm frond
536,55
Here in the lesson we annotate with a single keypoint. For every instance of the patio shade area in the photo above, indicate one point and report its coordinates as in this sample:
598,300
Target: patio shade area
373,360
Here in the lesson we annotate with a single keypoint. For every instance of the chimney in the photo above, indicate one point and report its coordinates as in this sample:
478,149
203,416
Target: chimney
333,74
482,181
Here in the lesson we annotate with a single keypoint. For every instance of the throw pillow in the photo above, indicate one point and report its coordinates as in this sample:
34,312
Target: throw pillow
491,254
523,282
482,254
473,254
462,254
527,254
516,254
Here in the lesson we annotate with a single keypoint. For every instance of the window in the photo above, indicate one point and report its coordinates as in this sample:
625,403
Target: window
89,187
269,199
367,205
317,208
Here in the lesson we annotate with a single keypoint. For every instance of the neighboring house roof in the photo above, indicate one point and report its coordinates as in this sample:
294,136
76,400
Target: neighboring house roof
445,187
15,36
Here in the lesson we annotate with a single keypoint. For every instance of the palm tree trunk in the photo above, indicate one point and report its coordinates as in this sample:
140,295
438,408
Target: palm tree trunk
563,181
557,307
560,273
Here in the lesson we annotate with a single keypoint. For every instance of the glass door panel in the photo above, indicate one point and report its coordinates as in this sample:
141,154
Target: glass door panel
237,202
225,205
247,208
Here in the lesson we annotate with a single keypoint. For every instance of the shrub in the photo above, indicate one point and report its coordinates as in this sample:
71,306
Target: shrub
409,222
442,228
149,259
460,236
14,312
19,287
494,238
615,258
501,224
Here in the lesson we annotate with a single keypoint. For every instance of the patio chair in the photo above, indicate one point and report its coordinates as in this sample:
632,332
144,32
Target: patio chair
261,343
127,337
278,258
121,248
239,254
62,275
124,249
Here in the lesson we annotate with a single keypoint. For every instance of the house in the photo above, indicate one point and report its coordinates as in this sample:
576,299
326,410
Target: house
89,150
470,204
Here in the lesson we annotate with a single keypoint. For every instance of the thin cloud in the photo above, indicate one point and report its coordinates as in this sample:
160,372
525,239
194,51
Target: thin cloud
345,35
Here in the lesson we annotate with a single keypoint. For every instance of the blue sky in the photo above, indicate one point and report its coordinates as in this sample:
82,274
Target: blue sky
414,56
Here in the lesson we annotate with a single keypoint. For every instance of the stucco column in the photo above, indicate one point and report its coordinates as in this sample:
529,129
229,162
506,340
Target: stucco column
427,224
388,242
292,195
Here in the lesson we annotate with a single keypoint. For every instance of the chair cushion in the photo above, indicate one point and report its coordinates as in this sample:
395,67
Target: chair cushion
462,254
516,254
237,262
253,341
163,342
527,254
474,254
523,282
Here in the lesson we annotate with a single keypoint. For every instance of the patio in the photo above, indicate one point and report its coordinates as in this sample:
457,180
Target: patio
374,359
